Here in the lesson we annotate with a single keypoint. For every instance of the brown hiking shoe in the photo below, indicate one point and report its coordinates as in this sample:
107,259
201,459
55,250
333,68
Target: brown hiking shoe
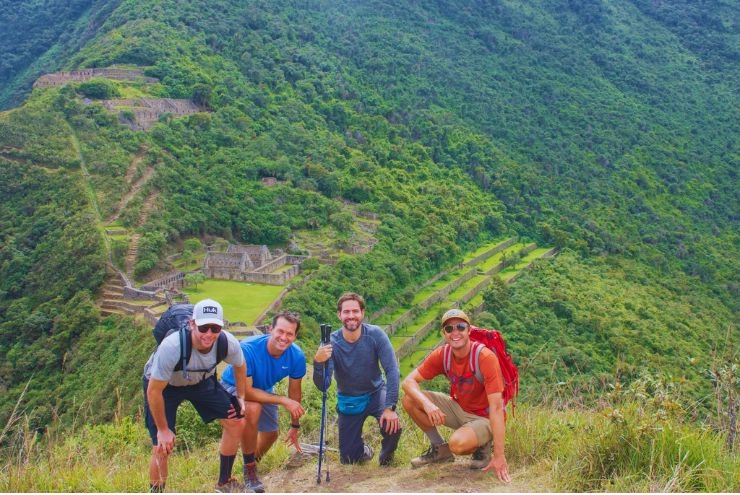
231,486
440,453
252,483
481,457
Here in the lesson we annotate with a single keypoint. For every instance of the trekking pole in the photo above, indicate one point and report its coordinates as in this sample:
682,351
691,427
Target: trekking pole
325,333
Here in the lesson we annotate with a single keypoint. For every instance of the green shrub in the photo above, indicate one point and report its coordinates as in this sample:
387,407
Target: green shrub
99,89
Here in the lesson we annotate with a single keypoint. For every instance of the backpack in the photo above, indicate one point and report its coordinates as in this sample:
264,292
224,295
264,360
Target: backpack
492,339
175,319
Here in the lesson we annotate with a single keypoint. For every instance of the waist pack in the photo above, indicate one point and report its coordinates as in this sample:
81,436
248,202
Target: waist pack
352,404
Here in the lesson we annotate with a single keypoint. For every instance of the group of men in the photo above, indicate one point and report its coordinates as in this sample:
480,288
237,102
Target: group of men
361,359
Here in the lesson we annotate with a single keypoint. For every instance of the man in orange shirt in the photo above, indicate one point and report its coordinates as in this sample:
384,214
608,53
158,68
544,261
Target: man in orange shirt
473,409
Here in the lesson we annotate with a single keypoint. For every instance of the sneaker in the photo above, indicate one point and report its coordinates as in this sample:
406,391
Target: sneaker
252,483
367,454
231,486
481,457
440,453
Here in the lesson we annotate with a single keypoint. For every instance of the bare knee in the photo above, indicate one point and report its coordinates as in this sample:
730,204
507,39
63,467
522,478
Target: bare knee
408,403
159,456
268,437
463,441
233,426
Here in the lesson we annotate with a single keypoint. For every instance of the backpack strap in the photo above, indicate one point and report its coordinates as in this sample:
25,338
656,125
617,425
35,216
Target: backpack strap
186,348
222,347
475,360
475,351
446,357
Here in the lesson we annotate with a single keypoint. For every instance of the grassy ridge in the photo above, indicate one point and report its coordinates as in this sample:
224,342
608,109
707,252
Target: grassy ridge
637,441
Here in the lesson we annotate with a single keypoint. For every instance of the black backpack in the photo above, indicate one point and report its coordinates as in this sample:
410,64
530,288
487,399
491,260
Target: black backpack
175,319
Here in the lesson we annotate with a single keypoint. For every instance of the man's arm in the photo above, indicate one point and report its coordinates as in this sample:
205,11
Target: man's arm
412,388
292,402
389,362
322,367
389,420
240,379
295,394
296,411
498,427
165,436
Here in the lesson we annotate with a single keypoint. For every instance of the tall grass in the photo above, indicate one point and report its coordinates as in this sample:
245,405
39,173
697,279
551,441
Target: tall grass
636,441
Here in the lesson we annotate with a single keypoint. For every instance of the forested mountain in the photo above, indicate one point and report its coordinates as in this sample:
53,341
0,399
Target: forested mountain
606,128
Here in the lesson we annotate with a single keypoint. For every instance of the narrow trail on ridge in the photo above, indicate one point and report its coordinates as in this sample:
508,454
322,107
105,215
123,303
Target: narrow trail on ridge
370,478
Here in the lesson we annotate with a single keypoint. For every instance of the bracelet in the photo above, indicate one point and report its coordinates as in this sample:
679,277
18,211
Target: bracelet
296,426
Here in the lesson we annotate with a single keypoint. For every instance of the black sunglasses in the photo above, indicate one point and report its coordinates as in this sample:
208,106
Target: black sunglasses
212,328
461,327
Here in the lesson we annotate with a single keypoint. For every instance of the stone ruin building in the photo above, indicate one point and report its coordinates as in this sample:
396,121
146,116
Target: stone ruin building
250,263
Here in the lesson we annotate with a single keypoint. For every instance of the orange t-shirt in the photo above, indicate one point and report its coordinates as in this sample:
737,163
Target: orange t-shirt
472,395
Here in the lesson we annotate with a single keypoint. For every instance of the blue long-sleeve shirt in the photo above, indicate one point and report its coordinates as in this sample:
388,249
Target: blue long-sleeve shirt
356,365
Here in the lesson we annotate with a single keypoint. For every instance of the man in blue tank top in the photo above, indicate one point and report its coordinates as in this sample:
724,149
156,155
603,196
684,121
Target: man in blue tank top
354,356
270,358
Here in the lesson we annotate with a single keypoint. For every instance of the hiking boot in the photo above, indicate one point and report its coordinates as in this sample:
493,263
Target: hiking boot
367,454
385,460
481,457
231,486
252,483
440,453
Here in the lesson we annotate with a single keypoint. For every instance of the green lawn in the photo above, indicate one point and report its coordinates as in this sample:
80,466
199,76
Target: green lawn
242,301
498,257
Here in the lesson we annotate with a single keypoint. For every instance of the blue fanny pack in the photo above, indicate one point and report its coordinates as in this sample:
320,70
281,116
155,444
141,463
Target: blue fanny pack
352,404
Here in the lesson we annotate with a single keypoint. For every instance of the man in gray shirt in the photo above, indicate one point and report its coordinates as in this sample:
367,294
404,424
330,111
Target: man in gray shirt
166,387
354,356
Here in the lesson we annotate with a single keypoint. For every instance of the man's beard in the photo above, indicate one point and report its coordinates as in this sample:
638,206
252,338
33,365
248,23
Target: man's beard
357,324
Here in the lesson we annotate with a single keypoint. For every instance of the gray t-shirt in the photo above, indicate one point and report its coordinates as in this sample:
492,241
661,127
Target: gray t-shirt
162,362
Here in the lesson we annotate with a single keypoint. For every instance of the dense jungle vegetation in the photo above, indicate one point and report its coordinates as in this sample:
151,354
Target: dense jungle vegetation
606,128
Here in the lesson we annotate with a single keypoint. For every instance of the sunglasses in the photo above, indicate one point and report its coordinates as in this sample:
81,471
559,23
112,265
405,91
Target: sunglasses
212,328
460,327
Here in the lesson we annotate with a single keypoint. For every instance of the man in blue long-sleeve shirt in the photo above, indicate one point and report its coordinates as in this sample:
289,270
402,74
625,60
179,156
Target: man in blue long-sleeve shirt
354,356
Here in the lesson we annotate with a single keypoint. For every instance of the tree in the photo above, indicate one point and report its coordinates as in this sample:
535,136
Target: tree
496,295
194,279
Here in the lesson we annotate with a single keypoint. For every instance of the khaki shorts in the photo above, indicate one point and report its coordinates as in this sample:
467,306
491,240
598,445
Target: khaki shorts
455,417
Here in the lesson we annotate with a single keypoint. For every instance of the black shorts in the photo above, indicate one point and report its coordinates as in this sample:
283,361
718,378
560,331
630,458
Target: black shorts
208,397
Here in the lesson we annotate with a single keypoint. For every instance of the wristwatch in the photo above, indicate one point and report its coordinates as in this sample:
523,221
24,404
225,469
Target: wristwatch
393,408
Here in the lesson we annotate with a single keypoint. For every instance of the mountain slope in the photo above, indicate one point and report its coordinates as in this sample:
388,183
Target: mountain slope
608,129
38,36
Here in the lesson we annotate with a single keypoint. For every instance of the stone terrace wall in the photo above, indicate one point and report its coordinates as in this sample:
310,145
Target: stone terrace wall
82,75
173,281
147,111
280,261
491,252
272,278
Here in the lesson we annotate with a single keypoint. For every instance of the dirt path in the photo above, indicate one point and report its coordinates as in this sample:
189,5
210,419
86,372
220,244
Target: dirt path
371,478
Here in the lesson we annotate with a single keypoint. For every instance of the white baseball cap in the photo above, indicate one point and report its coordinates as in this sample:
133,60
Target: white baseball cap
207,312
